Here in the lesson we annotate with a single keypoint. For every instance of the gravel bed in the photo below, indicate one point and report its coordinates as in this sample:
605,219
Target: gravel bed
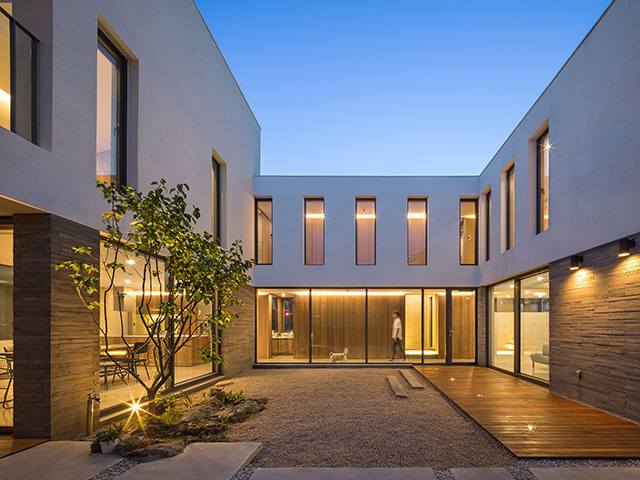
350,418
243,474
115,470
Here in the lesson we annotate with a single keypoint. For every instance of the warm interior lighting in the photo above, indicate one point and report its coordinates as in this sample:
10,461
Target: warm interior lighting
127,281
625,245
364,216
315,215
417,352
417,215
504,352
5,97
574,262
131,262
468,216
387,294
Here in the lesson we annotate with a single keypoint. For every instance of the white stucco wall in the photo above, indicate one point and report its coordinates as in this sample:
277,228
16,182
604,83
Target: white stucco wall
391,269
183,104
592,109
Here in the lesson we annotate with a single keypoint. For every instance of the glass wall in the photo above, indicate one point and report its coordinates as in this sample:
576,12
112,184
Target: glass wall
264,231
124,332
338,325
6,325
110,113
5,72
360,322
501,325
468,231
543,150
314,231
534,325
282,325
417,231
510,221
528,354
365,231
435,326
382,304
463,326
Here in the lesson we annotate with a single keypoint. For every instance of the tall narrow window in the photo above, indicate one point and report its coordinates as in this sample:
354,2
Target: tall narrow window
543,181
264,231
468,231
365,231
487,225
417,231
314,231
111,114
216,223
511,208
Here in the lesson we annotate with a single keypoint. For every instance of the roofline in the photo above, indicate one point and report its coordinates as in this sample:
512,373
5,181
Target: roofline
226,64
548,86
366,176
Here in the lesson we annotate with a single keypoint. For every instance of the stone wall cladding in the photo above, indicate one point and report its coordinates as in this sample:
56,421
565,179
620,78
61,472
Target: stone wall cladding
595,327
238,341
56,339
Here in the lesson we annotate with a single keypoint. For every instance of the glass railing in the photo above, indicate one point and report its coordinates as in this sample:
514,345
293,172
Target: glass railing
18,78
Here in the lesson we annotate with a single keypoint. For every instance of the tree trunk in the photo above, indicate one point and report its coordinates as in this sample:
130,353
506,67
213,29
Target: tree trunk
151,398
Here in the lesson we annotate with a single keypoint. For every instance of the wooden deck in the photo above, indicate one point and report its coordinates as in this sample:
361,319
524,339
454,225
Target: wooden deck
529,420
8,445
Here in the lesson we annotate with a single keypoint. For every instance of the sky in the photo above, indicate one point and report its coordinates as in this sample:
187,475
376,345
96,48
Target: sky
393,87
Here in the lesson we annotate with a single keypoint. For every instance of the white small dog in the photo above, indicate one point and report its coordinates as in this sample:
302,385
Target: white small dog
339,357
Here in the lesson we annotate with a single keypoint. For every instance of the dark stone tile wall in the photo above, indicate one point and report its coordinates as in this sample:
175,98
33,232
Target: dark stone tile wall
56,341
594,326
238,340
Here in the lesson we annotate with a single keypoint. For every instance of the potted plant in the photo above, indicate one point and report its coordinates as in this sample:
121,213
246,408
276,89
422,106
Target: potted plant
108,437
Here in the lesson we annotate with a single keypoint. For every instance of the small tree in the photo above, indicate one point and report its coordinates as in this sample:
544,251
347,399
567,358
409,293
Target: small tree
180,269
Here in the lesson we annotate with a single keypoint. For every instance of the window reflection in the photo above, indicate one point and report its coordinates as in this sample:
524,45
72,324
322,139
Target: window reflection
6,325
534,325
417,232
314,231
501,325
282,325
468,231
264,231
365,231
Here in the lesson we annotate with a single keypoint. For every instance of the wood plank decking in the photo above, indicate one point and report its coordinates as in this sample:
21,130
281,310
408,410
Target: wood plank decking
529,420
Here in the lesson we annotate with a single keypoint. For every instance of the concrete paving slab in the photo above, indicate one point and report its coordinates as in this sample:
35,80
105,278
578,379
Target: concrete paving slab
343,474
481,474
397,388
55,461
586,473
199,461
412,378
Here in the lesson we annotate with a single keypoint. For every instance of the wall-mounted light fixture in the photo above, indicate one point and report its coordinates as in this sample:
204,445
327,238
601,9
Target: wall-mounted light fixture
574,262
624,245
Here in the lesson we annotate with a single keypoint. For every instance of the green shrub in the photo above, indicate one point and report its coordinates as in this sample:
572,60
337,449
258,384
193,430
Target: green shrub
231,397
111,433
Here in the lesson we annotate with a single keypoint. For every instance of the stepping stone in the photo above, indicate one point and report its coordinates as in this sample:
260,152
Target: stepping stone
210,461
55,461
411,377
586,473
481,474
397,388
343,474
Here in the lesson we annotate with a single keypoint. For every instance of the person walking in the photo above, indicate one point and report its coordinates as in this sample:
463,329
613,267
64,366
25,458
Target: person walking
396,336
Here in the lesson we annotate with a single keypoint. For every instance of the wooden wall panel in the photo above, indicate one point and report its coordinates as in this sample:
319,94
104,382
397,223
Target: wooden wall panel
301,327
355,327
463,316
263,328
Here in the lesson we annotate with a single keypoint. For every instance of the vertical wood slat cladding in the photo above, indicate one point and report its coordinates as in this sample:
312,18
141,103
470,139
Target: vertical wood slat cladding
463,325
263,327
594,326
380,310
301,327
56,341
338,323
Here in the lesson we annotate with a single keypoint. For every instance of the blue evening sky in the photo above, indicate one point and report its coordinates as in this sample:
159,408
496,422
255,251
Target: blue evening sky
393,87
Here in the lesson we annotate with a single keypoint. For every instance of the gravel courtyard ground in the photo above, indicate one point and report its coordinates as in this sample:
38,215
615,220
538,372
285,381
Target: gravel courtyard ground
351,418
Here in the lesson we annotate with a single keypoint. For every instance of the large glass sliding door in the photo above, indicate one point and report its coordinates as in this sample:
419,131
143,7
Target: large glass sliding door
357,325
519,325
6,324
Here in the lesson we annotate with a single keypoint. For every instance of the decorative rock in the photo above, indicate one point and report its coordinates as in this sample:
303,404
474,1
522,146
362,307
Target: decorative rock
155,452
